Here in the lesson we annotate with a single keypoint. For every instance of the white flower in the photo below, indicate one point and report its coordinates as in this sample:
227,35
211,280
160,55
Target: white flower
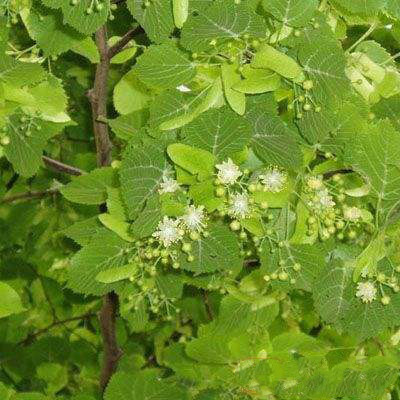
352,213
314,183
168,185
366,291
183,88
240,205
324,199
194,218
228,172
168,231
273,180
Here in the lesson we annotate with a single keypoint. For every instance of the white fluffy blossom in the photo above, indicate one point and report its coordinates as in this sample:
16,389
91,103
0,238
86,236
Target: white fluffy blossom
168,231
314,183
194,218
168,185
352,213
228,172
274,180
240,205
366,291
324,199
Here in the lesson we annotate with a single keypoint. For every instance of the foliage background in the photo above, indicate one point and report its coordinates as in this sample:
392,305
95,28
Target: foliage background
101,102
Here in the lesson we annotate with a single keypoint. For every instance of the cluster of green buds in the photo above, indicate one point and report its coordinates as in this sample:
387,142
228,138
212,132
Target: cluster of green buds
330,215
96,6
9,9
371,78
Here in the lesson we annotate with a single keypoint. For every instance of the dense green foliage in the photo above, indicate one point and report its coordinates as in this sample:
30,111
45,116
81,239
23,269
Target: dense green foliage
248,223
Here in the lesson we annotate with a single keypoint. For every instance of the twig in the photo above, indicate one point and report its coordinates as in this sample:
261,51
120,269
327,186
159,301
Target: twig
112,353
98,100
207,304
363,37
31,337
28,196
61,167
119,46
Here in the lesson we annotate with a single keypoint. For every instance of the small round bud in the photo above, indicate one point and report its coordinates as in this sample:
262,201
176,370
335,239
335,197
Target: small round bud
301,99
243,235
175,265
164,261
255,43
164,253
307,107
186,247
213,42
283,276
252,188
297,33
194,56
194,235
385,300
340,236
274,276
99,6
190,258
5,140
292,281
266,278
297,267
235,225
381,277
318,109
352,234
116,164
220,191
308,84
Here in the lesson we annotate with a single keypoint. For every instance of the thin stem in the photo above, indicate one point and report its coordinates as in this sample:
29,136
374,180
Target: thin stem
392,58
31,337
98,100
120,45
61,167
363,37
29,196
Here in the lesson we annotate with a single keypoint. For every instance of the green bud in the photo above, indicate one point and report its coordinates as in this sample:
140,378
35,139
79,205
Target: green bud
297,267
308,85
283,276
194,235
385,300
235,225
220,191
190,258
186,247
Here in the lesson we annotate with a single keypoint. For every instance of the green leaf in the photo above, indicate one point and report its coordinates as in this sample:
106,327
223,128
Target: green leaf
181,12
89,188
146,223
257,81
325,66
116,274
24,152
217,252
222,22
164,66
231,77
130,94
366,7
117,225
375,156
55,376
174,109
143,385
127,126
156,18
268,57
78,17
219,131
196,161
203,194
46,27
82,232
272,140
291,12
10,301
389,108
105,251
141,173
18,74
